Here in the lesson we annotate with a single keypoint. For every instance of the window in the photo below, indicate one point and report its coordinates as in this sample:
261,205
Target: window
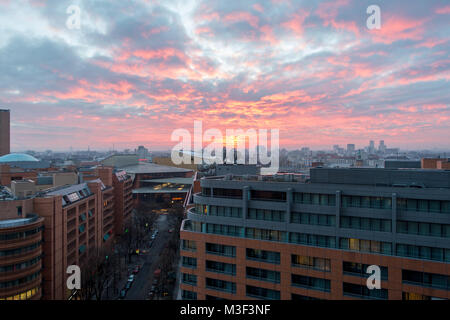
232,212
314,198
312,240
262,293
311,262
220,267
267,195
370,224
425,279
189,279
227,193
189,245
189,262
265,234
360,270
366,202
19,211
262,255
224,229
221,285
263,274
423,228
220,249
310,282
422,252
268,215
356,290
188,295
365,245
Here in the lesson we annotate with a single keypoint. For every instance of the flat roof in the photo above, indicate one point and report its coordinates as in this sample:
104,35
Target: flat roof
172,180
145,167
150,190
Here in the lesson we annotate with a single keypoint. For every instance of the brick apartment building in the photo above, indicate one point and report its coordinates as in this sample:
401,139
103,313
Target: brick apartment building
44,231
254,237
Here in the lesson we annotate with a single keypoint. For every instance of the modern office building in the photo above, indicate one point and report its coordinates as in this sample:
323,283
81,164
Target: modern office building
4,132
271,237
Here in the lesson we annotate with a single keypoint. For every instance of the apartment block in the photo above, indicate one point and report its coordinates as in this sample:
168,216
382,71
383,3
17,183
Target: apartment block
272,237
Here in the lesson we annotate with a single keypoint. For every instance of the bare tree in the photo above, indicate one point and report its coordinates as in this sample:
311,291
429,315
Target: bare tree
96,273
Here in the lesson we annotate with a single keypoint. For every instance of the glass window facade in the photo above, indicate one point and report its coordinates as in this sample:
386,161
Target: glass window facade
313,219
425,279
423,252
267,195
224,229
315,198
232,212
220,249
265,234
221,285
312,240
370,224
189,245
349,201
220,267
356,290
365,245
435,206
263,255
424,229
190,279
310,282
263,274
262,293
268,215
316,263
189,262
359,269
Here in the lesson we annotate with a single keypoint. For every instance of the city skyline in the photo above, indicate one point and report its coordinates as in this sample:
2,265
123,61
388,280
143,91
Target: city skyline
135,72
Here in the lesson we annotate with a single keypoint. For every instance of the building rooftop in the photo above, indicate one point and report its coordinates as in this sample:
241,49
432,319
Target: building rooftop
144,167
172,180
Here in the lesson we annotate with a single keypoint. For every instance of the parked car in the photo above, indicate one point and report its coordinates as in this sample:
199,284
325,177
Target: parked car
155,282
131,278
122,294
154,236
136,270
170,230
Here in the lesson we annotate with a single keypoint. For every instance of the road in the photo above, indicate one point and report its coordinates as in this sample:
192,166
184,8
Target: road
143,280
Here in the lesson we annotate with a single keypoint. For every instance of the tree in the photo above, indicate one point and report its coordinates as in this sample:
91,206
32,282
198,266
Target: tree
96,273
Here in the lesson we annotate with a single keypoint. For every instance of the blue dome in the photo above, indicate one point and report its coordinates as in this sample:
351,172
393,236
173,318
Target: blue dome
17,157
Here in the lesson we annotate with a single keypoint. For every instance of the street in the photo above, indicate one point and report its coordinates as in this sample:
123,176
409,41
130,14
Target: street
148,261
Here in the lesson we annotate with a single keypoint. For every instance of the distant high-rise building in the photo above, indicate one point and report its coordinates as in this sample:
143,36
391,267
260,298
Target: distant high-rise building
4,132
142,152
371,147
382,147
350,148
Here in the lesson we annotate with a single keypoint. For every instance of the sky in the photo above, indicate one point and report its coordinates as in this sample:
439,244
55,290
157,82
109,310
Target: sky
135,71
